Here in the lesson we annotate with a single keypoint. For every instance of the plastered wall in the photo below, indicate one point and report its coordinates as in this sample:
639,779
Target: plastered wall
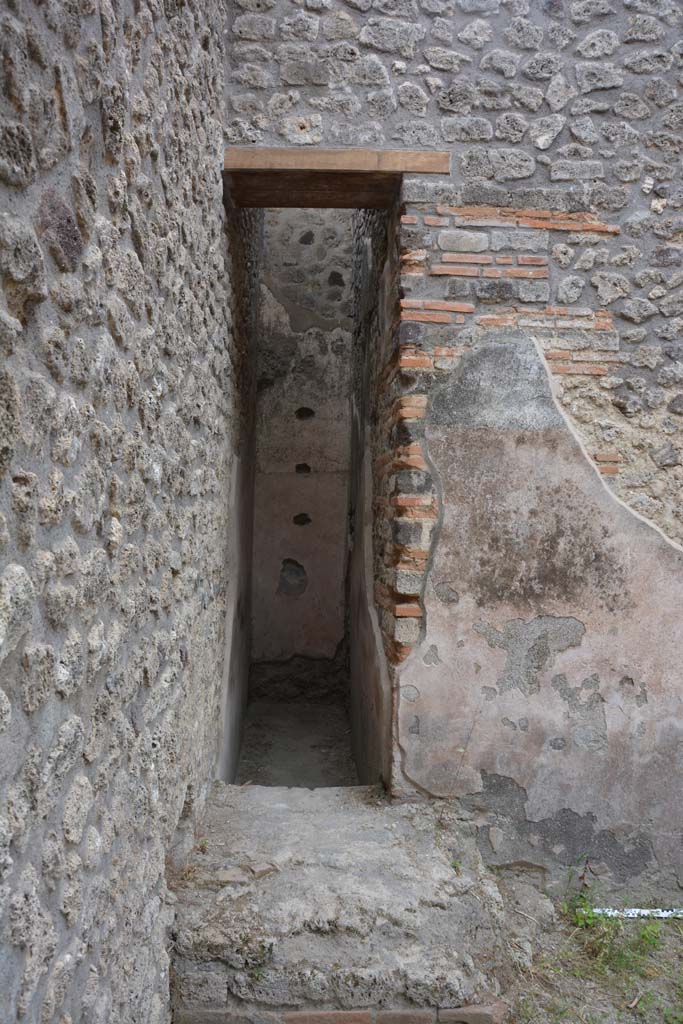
375,291
303,436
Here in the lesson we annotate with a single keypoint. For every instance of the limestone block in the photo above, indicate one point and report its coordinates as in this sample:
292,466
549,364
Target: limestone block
17,601
17,160
22,267
77,806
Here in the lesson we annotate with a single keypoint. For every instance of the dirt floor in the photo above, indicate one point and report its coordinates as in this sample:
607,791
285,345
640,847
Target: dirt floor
296,744
593,971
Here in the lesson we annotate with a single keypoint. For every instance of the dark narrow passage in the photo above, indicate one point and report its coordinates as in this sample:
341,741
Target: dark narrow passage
296,731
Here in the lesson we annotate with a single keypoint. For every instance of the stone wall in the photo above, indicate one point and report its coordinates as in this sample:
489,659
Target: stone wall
565,105
117,433
375,300
303,436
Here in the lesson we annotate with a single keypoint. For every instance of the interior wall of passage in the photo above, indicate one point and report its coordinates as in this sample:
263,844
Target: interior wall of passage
303,437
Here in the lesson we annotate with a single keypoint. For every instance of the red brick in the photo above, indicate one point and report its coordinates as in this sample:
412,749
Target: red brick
517,272
414,256
504,259
568,225
408,218
532,261
609,469
410,412
483,211
328,1017
607,457
440,269
400,610
555,354
417,553
419,400
406,610
415,362
412,500
550,220
531,221
492,272
436,222
396,653
418,513
447,350
497,320
518,214
421,317
454,307
585,369
466,257
405,1016
410,462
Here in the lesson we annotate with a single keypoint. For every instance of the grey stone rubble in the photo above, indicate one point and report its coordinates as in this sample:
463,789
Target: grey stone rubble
118,399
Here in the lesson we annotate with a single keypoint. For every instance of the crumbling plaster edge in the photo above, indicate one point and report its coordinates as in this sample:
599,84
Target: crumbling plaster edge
396,671
581,445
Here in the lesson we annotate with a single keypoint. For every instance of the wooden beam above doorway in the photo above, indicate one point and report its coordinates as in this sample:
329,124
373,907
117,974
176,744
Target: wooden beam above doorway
386,161
345,178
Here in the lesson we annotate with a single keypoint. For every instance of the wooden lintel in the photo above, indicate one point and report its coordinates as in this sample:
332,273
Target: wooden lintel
382,161
308,189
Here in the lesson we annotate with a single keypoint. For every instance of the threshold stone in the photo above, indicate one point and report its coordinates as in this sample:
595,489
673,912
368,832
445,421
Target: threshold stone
329,903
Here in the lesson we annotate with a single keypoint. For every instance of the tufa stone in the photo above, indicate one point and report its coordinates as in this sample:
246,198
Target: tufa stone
17,600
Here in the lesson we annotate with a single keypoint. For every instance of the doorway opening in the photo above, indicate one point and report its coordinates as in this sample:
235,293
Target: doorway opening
314,248
296,729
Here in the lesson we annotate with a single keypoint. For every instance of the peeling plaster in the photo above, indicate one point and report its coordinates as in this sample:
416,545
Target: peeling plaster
531,647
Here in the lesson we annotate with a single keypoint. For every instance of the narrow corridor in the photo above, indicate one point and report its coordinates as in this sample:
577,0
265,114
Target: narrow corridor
296,731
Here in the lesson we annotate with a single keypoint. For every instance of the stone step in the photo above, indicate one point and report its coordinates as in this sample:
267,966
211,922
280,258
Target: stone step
326,900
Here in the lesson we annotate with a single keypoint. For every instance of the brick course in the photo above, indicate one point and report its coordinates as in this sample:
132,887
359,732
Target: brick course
578,343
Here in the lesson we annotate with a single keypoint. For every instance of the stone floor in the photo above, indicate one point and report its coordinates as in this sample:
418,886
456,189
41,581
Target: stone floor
296,744
332,899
